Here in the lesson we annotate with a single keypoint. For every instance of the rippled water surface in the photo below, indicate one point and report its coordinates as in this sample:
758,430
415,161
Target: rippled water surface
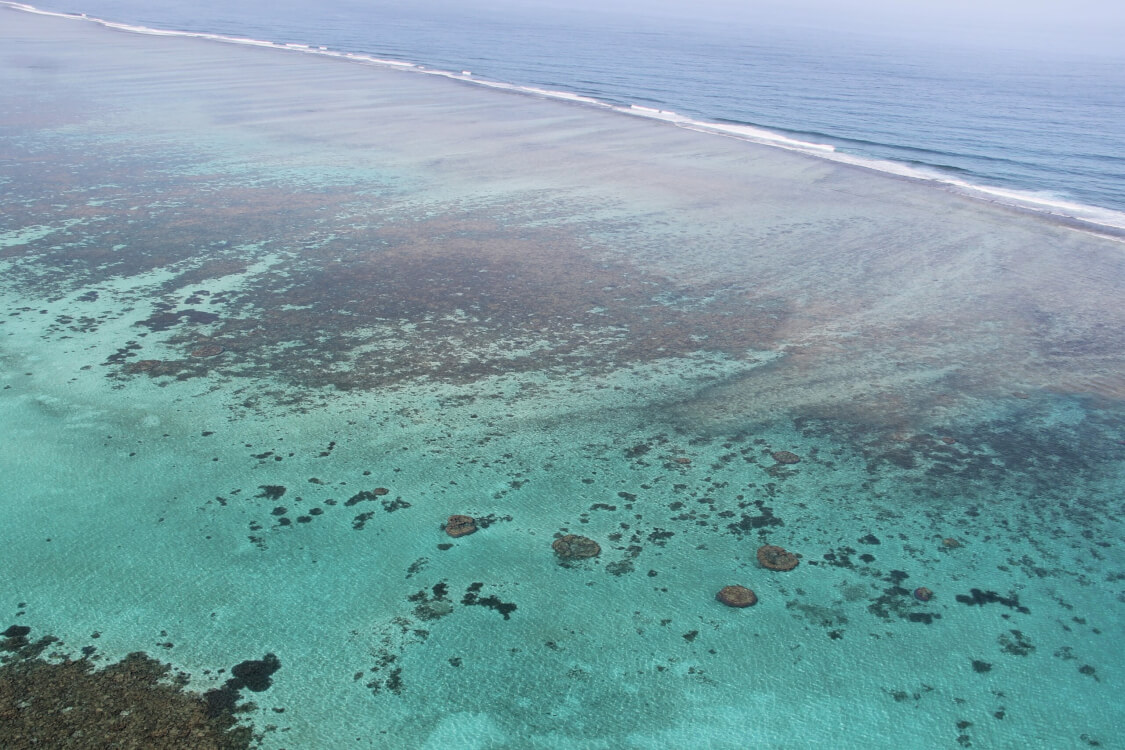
271,318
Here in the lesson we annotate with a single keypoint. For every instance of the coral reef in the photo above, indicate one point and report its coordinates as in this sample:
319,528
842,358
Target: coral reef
575,547
737,596
130,704
773,557
458,525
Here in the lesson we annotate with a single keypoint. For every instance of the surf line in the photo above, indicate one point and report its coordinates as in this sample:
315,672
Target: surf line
1103,222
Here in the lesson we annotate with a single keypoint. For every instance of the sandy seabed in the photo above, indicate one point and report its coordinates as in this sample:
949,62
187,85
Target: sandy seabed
271,318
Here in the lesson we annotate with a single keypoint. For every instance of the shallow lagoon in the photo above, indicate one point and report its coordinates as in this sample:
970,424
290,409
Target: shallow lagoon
244,288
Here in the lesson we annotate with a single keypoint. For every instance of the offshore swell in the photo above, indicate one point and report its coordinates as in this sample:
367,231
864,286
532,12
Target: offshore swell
1010,166
271,319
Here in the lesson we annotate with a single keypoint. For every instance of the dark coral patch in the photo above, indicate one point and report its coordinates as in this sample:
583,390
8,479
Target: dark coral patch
365,496
210,350
981,598
472,597
575,547
397,504
143,365
164,320
271,491
255,675
1017,644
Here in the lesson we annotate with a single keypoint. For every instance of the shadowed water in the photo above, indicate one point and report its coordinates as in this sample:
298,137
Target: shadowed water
271,318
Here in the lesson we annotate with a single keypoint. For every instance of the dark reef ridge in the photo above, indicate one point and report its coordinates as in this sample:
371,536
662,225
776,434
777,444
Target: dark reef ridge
134,703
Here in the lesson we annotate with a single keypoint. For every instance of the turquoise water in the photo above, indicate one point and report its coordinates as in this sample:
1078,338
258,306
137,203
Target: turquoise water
248,289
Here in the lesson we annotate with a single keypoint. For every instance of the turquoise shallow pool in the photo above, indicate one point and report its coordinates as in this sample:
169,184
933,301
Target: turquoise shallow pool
269,319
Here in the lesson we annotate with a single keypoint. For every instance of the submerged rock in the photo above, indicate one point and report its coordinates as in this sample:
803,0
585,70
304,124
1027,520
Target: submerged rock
785,457
575,547
773,557
460,526
737,596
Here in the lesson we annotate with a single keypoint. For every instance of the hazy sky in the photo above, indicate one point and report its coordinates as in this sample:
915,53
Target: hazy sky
1094,25
1082,25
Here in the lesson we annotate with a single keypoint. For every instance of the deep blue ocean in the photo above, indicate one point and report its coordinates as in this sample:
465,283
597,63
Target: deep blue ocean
1046,123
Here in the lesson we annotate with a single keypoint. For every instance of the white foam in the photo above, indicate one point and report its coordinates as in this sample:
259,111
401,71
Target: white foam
1037,201
758,135
566,95
1040,202
1047,203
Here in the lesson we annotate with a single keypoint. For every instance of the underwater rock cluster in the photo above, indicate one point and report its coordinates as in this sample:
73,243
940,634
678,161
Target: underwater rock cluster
737,596
459,525
923,594
773,557
575,547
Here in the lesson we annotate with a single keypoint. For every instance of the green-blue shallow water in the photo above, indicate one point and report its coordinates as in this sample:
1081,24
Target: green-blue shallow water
269,319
